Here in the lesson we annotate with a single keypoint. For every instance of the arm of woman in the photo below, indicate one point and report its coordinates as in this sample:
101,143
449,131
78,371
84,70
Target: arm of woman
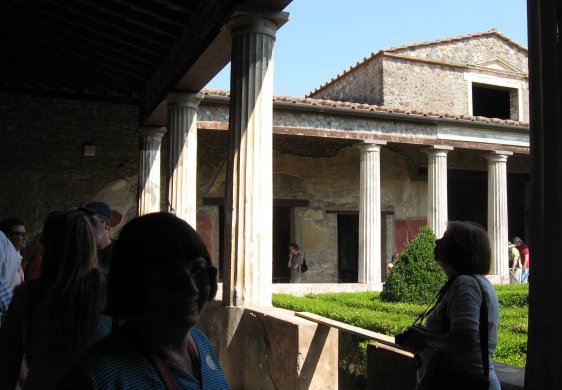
11,345
454,341
463,312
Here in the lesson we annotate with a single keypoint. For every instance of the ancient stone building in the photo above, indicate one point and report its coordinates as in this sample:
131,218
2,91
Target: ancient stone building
461,102
432,159
96,100
482,74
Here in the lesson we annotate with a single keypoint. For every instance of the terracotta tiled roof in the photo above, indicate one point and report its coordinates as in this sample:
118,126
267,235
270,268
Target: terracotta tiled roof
374,108
412,45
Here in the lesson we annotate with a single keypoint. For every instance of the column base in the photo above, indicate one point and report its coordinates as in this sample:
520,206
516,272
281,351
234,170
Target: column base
498,279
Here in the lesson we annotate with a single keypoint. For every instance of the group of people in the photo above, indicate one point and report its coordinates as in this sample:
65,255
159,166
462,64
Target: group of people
106,313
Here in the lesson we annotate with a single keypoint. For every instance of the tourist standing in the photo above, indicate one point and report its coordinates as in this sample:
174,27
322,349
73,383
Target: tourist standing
52,320
525,258
296,258
100,217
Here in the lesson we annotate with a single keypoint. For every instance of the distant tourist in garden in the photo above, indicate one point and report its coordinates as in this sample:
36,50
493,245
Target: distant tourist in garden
514,263
525,258
464,318
296,258
392,263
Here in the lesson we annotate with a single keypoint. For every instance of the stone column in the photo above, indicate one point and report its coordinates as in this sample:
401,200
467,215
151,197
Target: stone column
370,214
249,190
182,155
497,214
149,170
437,207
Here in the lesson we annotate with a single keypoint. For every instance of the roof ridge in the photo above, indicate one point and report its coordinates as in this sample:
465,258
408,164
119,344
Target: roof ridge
493,31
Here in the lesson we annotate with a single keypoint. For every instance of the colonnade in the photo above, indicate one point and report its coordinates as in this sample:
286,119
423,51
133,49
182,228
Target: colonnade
249,194
369,208
249,206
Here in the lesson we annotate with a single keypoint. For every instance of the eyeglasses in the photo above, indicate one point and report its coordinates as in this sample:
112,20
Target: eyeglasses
95,221
20,234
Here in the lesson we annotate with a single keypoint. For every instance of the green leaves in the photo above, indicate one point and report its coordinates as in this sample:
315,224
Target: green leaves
416,277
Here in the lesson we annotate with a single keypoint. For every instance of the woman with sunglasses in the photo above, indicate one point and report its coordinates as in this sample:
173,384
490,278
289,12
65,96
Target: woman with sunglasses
160,279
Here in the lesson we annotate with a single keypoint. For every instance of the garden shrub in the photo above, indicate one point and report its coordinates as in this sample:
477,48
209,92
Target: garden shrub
416,277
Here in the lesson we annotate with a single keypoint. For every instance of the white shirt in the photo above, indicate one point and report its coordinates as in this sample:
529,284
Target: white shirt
10,263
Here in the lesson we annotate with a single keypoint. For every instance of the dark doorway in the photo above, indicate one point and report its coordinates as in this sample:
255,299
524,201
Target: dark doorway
348,247
281,241
490,102
517,194
468,196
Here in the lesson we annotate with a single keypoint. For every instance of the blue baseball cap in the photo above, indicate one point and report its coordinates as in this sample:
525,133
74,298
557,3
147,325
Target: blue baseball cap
97,208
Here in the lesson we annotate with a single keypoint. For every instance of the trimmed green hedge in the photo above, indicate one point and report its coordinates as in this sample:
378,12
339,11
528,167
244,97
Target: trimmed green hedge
368,311
416,277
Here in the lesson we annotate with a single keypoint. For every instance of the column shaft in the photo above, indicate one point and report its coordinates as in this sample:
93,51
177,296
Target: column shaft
497,214
437,206
370,216
249,192
182,155
149,171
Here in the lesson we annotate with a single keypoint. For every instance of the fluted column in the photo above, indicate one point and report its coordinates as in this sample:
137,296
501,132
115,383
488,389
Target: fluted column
182,155
497,214
437,206
370,214
149,171
249,192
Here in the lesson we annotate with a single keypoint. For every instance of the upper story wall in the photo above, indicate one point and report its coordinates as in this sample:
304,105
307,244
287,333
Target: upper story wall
363,84
443,76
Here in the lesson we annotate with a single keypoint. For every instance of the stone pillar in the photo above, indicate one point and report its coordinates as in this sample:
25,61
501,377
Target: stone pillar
497,215
149,170
249,189
182,155
437,206
370,214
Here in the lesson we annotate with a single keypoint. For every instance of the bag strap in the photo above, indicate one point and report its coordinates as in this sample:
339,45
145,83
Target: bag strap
160,365
438,297
483,330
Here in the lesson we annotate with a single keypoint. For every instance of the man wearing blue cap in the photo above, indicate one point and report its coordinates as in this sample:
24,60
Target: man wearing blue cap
100,217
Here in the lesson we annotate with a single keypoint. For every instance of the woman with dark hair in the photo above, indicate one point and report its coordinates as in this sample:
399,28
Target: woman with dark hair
461,330
53,319
161,277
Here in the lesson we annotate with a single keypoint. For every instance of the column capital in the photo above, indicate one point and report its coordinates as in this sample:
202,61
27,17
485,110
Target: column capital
438,149
252,23
498,156
371,145
152,131
184,99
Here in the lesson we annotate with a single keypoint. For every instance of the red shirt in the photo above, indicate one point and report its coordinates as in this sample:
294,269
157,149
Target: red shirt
524,250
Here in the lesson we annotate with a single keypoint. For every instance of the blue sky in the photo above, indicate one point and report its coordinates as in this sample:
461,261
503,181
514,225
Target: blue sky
324,37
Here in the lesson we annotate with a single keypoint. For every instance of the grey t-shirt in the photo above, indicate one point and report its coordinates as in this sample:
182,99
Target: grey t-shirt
462,305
